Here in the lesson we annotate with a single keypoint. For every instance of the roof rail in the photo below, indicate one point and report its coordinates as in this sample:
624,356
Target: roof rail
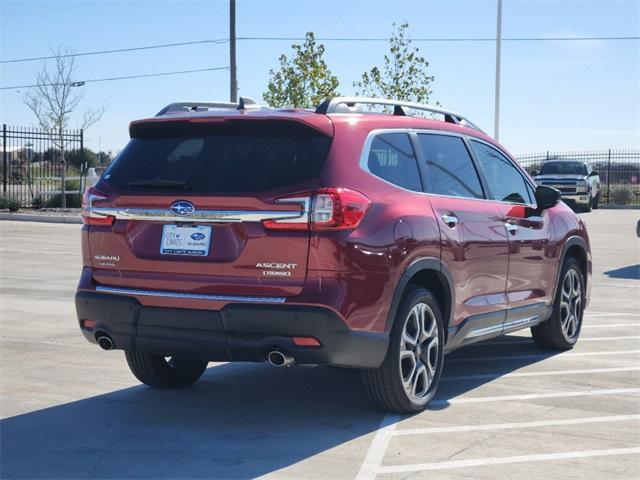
330,105
245,103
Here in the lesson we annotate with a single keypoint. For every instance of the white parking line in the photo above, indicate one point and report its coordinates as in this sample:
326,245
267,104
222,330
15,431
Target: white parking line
611,314
513,425
533,396
542,356
610,325
489,376
479,462
526,340
378,447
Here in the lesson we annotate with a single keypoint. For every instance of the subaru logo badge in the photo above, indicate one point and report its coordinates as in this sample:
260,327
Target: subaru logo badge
182,208
197,236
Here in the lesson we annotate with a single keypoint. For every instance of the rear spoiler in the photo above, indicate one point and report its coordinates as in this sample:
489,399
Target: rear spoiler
320,123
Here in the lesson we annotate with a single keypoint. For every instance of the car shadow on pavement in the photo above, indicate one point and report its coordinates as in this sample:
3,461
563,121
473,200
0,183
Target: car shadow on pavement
631,272
238,421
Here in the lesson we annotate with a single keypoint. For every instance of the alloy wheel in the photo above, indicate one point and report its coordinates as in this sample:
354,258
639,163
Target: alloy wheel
419,351
571,304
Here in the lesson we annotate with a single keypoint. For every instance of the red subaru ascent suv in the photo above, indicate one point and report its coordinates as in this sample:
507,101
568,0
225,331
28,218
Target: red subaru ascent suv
367,234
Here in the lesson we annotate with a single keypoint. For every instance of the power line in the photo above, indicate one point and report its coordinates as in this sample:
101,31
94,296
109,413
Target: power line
443,39
328,39
131,49
81,82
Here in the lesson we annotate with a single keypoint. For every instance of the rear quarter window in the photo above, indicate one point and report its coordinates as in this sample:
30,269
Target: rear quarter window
391,157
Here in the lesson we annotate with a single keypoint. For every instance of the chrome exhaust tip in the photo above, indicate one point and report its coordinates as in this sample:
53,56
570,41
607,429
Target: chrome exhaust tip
105,342
279,359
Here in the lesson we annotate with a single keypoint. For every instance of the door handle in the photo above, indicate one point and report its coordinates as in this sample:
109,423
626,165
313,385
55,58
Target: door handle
450,220
511,228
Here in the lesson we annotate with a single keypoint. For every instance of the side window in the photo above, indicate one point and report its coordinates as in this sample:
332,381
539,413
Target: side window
450,170
392,158
506,183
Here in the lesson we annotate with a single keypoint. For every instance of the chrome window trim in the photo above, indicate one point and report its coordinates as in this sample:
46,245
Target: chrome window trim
189,296
364,160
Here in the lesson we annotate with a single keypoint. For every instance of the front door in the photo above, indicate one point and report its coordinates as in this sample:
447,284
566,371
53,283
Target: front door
532,261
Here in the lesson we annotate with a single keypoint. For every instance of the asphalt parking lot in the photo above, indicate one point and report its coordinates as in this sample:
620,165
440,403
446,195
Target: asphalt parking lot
504,409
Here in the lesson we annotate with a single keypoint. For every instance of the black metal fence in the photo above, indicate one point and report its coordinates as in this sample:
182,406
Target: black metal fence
619,171
34,163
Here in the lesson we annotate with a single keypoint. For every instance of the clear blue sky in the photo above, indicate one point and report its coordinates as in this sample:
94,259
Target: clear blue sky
556,95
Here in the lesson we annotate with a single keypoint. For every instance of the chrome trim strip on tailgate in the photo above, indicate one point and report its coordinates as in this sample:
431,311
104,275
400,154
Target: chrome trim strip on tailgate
201,216
190,296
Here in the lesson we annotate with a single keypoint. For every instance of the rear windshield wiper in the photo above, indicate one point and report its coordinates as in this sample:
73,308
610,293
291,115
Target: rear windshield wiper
160,183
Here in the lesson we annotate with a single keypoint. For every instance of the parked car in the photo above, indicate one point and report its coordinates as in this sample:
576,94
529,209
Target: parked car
576,180
372,241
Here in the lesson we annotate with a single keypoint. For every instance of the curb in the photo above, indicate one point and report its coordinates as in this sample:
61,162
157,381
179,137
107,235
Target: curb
25,217
612,206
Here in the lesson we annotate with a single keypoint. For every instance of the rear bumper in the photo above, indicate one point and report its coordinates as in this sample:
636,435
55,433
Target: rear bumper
237,332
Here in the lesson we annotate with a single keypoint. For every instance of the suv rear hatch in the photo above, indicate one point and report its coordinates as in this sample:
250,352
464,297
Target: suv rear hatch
198,206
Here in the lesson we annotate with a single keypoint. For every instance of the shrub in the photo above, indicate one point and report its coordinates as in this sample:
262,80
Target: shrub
622,195
73,201
10,203
38,202
72,185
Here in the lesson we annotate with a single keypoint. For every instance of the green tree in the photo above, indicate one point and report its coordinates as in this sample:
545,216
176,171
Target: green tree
303,80
75,158
404,75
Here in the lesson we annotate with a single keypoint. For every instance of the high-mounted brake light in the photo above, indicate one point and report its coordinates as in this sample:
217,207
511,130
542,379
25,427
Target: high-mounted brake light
330,209
89,217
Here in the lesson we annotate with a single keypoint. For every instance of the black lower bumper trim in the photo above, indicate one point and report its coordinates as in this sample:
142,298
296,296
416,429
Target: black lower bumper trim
235,333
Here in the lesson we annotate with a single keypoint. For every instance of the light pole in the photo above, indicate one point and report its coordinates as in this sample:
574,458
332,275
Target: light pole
233,90
496,127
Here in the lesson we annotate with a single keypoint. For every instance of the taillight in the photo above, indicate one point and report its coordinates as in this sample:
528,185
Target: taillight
324,209
338,209
89,216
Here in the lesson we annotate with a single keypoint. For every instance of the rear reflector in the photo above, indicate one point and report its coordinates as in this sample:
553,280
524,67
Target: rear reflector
88,323
306,342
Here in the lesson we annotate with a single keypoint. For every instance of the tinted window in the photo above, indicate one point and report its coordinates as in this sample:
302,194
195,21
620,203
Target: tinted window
563,168
450,169
506,183
240,157
391,157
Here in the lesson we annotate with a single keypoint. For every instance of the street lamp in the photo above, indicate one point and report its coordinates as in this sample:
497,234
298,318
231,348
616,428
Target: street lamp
496,126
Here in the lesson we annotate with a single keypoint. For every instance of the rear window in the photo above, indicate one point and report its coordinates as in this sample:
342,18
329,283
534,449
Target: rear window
234,157
563,168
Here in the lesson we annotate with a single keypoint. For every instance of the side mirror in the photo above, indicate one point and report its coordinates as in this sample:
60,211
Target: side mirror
534,173
594,174
547,197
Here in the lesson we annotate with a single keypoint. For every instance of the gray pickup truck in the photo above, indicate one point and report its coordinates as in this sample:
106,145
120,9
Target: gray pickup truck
578,183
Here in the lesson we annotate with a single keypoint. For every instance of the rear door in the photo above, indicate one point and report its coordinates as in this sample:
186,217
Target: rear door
474,243
197,208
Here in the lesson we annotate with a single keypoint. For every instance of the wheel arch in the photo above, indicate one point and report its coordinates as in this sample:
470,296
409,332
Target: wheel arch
575,247
432,274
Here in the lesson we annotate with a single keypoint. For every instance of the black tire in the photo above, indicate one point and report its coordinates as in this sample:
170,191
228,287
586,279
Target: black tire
551,335
160,372
587,208
384,386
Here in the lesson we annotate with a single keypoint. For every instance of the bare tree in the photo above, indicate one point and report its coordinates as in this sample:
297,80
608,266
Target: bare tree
54,98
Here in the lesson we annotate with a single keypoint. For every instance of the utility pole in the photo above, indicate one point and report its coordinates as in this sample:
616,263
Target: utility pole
496,127
233,90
